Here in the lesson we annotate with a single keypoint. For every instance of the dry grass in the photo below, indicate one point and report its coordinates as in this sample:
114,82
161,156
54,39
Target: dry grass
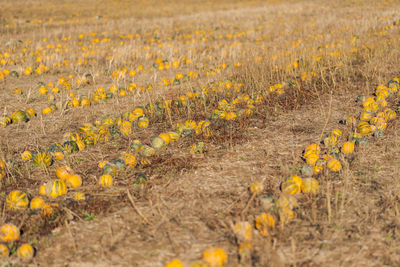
323,55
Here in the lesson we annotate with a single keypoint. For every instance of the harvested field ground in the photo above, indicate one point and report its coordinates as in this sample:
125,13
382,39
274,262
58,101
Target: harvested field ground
246,85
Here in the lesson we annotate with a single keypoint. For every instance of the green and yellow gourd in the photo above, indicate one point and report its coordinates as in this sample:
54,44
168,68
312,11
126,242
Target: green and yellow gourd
42,159
158,143
147,151
55,188
110,169
17,200
143,122
19,116
363,128
9,233
136,145
70,147
292,185
309,186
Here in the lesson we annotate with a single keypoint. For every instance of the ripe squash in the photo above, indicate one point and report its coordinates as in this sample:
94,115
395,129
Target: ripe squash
158,143
318,169
17,200
55,188
106,180
19,116
174,263
119,163
73,181
136,145
25,252
64,172
174,136
334,165
146,151
363,128
5,120
129,160
109,169
9,232
264,222
312,158
336,132
291,185
70,147
143,122
348,147
26,155
215,257
4,251
30,112
309,186
37,203
312,148
126,128
366,116
165,137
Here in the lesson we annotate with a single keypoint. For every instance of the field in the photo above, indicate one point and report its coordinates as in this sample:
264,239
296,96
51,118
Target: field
199,133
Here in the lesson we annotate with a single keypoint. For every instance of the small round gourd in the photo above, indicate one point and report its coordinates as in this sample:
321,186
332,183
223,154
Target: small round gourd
312,158
37,203
243,231
55,188
26,155
17,200
158,143
73,181
147,151
9,232
334,165
42,159
19,116
348,147
363,128
256,188
106,180
25,252
291,185
215,257
64,172
309,186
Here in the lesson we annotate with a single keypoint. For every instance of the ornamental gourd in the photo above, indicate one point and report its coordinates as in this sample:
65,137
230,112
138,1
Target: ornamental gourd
334,165
363,128
165,137
106,180
37,203
173,136
348,147
55,188
158,143
291,185
70,147
73,181
215,257
312,158
147,151
109,169
17,200
126,128
19,116
26,155
286,201
309,186
25,252
9,232
64,172
136,145
256,188
264,222
174,263
42,159
143,122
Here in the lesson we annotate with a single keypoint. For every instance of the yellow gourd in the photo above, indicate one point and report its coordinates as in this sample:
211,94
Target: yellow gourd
215,257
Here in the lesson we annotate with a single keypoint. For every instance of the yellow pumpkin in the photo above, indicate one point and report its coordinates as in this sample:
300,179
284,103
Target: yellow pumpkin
126,128
264,222
73,181
129,160
334,165
26,155
173,136
291,185
9,233
174,263
64,172
42,159
17,200
312,158
25,252
313,148
363,128
309,186
37,203
106,180
215,257
366,116
4,251
336,132
30,112
55,188
348,147
143,122
165,137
